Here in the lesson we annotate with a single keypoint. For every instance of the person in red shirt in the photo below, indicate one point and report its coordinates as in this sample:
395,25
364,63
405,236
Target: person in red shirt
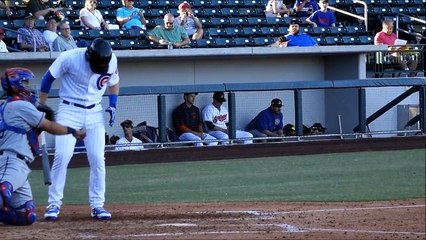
407,61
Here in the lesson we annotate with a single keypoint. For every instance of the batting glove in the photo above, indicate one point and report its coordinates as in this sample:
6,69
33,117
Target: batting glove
111,111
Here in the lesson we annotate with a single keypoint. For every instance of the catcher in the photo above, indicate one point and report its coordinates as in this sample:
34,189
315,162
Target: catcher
20,124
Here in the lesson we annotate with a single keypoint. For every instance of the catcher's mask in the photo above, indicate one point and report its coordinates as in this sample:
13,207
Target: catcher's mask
16,82
98,54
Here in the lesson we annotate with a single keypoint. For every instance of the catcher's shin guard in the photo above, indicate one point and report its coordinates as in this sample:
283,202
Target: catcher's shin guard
6,190
11,216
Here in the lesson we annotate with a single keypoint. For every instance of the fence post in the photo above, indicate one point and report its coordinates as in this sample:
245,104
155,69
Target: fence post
422,108
362,115
162,133
298,112
232,114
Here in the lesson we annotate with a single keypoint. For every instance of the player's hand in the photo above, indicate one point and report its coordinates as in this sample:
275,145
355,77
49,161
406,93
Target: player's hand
111,111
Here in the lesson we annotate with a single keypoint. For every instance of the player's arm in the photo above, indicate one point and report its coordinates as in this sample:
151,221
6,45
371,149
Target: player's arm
46,85
57,129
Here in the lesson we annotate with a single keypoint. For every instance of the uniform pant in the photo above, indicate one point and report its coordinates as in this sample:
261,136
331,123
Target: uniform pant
239,134
192,137
92,120
15,171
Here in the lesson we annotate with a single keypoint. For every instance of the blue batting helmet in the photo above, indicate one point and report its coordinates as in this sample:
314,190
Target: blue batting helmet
16,80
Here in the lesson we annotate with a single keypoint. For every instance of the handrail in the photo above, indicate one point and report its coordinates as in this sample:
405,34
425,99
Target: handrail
364,18
411,19
34,40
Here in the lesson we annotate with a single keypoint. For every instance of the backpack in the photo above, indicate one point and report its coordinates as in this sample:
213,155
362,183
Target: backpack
146,133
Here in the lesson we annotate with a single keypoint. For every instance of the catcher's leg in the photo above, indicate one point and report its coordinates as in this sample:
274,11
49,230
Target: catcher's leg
6,190
22,215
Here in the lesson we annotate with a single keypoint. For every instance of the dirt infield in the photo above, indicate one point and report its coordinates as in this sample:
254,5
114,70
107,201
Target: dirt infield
404,219
368,220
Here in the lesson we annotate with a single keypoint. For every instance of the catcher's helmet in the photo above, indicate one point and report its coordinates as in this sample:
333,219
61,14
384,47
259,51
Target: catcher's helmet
98,54
15,81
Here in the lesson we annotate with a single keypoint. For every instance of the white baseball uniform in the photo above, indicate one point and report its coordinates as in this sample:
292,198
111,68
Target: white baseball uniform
135,144
220,117
81,92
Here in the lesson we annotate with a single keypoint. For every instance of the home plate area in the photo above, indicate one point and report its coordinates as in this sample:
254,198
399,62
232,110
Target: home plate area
247,220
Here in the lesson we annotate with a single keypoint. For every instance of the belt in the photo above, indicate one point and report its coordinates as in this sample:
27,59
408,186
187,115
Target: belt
78,105
18,155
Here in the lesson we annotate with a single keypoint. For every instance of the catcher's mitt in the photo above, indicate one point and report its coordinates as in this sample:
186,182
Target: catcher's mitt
49,113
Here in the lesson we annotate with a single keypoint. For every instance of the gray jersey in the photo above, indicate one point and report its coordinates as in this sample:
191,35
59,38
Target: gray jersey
21,114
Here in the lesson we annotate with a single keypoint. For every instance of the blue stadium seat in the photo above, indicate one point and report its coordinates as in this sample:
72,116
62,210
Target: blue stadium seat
71,14
220,22
235,3
241,42
115,44
115,34
336,31
79,34
199,3
331,40
269,31
74,4
262,41
94,33
220,42
212,32
228,12
251,32
246,12
155,13
230,32
17,23
365,40
319,31
237,21
348,40
320,40
283,21
218,3
209,12
283,30
200,43
256,21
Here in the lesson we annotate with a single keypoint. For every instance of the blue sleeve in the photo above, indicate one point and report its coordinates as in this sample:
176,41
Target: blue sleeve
263,121
120,13
315,6
46,82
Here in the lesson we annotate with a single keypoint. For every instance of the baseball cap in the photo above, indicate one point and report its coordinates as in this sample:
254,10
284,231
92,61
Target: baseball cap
276,102
30,16
323,1
188,93
126,122
219,96
294,21
184,5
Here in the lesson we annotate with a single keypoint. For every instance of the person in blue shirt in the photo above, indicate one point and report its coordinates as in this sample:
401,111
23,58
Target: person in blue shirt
323,17
304,8
269,122
294,38
131,17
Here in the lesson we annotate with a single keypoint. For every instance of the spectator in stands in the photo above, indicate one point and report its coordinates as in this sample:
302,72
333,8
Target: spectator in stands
269,122
294,38
216,118
26,42
131,17
44,9
5,7
162,35
3,47
277,8
91,18
388,37
304,8
65,41
128,142
187,122
50,33
323,17
189,21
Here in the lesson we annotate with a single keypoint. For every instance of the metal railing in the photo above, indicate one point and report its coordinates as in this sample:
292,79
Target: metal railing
28,35
363,18
398,29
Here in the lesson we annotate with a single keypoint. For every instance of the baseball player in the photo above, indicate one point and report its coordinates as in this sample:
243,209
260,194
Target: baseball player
187,122
85,74
269,122
216,118
20,124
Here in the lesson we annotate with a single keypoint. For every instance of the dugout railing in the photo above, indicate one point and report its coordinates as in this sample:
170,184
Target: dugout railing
418,85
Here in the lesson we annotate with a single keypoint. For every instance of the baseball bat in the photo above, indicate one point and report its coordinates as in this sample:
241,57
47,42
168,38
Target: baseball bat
45,160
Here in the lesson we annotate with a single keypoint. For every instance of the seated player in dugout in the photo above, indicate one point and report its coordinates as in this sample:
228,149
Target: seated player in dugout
269,122
187,122
216,119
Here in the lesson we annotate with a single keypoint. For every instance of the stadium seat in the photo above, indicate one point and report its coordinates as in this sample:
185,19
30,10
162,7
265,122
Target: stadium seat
250,32
200,43
79,34
218,3
71,14
74,4
348,40
228,12
332,40
241,42
220,22
280,22
269,31
236,21
283,30
336,31
262,41
209,12
114,34
364,40
212,32
155,13
320,40
220,42
115,44
199,3
235,3
319,31
17,23
256,21
246,12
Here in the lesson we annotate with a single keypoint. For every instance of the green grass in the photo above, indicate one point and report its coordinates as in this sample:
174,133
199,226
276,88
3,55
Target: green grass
327,177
